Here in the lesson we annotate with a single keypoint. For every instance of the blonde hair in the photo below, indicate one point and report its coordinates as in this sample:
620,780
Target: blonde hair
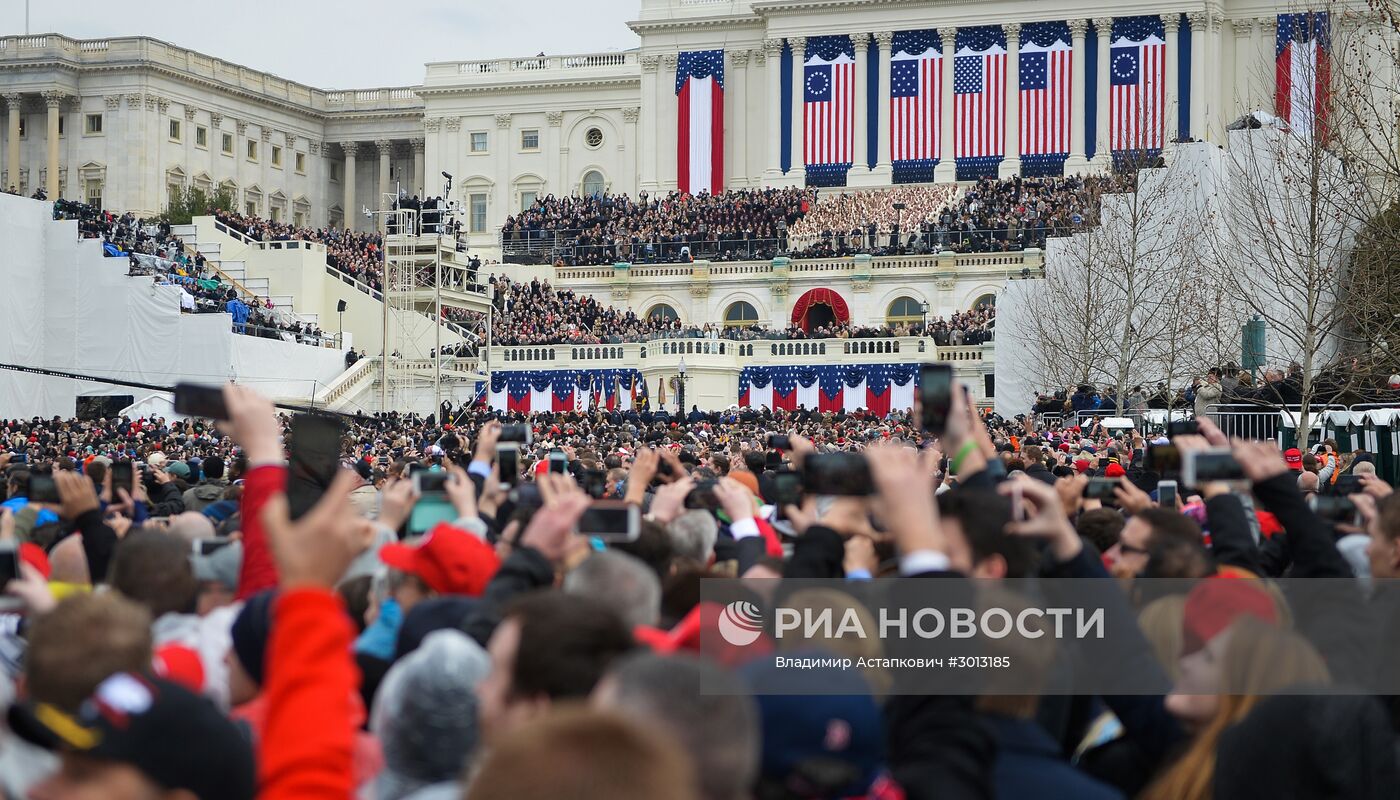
1161,624
1259,659
838,602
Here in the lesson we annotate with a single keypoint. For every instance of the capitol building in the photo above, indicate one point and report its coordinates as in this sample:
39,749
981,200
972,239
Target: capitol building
720,95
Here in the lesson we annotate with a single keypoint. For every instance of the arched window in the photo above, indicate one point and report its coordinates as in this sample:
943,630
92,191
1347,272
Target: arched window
664,311
904,310
740,313
989,300
592,183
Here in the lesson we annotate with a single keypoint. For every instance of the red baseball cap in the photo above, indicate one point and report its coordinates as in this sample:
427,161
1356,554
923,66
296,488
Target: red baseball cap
449,560
1114,471
1293,457
1215,603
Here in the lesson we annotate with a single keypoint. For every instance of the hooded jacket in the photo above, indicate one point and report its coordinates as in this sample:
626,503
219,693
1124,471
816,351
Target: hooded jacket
204,494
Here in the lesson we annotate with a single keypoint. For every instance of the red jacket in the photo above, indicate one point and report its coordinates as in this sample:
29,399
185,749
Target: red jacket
258,572
307,749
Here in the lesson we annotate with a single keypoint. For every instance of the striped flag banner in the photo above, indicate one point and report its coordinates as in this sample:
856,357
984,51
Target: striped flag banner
1137,82
828,109
916,97
874,388
979,100
700,121
1046,60
1304,64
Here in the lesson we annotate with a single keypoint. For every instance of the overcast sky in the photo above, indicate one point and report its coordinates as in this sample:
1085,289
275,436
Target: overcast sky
336,44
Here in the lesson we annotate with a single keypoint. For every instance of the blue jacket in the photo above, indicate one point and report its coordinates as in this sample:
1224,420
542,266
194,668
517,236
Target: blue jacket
238,309
1029,764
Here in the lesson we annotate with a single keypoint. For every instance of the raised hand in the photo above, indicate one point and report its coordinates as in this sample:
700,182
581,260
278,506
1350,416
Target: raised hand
1045,517
316,550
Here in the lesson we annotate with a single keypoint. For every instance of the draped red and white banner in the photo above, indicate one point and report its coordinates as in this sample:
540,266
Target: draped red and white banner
700,121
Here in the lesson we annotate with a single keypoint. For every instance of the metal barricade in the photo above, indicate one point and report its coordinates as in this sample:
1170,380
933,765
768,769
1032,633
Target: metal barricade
1268,423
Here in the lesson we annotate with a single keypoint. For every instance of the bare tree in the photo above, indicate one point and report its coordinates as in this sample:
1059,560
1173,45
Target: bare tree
1065,343
1364,112
1284,216
1116,307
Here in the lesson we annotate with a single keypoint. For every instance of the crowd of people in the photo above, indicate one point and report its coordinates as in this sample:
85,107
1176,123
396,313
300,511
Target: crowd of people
735,225
992,215
864,221
225,626
152,250
358,255
1227,385
537,313
39,193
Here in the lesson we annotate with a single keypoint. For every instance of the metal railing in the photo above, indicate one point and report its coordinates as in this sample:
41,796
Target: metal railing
539,246
280,334
1250,421
547,246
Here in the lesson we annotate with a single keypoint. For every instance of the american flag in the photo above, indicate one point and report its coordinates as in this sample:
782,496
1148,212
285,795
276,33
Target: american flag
828,107
1303,70
1137,80
916,92
1045,89
979,92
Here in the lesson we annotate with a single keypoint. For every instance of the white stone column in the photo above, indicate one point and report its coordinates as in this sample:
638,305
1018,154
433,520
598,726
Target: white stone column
1198,74
1011,161
947,169
14,102
1261,73
1220,97
419,177
630,115
134,193
1172,113
736,157
559,183
501,148
347,179
860,156
1103,151
54,101
797,173
264,164
1077,161
647,149
434,153
385,183
884,166
1243,78
669,172
773,70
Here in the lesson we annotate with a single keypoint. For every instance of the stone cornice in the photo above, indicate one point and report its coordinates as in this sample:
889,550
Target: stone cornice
729,21
459,89
150,68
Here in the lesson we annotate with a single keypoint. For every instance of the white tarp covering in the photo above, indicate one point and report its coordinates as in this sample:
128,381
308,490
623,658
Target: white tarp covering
66,307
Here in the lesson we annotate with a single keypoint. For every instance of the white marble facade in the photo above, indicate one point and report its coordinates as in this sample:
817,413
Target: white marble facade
511,129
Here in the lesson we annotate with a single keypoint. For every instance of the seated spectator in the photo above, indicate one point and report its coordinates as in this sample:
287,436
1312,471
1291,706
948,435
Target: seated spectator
733,225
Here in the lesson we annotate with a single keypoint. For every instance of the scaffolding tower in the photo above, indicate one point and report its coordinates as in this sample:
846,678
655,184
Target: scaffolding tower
423,272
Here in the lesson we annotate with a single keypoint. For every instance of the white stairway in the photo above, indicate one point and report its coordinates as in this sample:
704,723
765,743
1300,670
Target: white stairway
237,271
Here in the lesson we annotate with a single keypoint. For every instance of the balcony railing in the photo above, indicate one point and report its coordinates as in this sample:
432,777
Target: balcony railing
726,352
545,246
532,65
154,52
